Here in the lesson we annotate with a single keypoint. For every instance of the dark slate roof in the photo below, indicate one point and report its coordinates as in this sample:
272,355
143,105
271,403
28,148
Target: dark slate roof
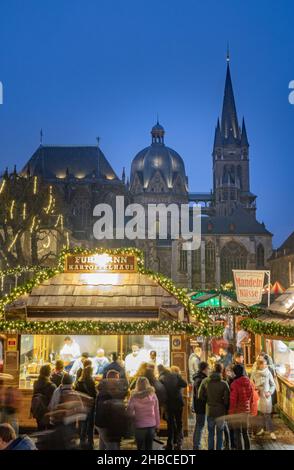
287,248
55,162
238,223
288,244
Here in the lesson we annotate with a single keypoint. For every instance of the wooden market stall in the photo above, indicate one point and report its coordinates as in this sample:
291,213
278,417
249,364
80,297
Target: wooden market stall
100,300
274,333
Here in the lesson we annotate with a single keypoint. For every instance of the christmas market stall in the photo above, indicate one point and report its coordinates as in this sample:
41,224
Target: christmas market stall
274,334
97,302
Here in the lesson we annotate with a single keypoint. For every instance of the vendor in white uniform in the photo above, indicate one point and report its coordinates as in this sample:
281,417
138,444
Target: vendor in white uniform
70,350
134,360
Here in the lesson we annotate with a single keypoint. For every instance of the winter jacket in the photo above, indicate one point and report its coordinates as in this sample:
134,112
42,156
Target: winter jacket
160,392
56,378
110,409
241,396
226,360
21,443
174,384
198,405
215,393
43,391
110,391
264,383
194,361
87,387
44,387
114,366
143,406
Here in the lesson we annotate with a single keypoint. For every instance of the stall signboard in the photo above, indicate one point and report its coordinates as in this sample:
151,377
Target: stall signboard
12,343
249,286
103,263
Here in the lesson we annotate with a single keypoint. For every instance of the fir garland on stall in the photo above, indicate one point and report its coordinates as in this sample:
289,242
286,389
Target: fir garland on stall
268,328
200,317
90,327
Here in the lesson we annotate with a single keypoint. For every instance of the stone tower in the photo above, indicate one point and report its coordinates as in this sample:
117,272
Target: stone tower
231,182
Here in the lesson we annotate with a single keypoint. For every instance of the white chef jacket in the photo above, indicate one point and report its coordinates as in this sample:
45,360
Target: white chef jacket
71,350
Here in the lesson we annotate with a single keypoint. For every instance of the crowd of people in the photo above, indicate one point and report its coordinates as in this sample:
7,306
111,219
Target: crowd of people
70,408
234,405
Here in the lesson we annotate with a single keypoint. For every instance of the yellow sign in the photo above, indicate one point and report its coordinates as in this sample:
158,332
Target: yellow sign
102,263
12,343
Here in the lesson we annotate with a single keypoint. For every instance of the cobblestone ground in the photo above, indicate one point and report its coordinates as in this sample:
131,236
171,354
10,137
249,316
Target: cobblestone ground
285,439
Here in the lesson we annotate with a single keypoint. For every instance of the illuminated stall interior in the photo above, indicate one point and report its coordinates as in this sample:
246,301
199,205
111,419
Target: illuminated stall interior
281,349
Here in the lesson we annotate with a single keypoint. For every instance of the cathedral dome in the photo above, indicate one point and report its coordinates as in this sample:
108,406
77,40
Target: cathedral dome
158,168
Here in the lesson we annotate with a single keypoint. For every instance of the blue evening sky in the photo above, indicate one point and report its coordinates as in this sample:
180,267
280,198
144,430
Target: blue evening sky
81,69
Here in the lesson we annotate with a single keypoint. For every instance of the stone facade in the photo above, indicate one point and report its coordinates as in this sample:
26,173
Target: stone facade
231,235
282,263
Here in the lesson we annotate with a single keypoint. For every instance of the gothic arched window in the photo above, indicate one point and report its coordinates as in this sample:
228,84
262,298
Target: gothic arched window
81,212
210,263
260,256
233,256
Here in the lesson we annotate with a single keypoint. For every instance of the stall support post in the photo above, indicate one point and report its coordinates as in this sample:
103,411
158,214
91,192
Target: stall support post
269,288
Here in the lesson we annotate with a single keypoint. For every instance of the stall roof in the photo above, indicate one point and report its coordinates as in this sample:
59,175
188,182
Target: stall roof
97,295
284,304
213,299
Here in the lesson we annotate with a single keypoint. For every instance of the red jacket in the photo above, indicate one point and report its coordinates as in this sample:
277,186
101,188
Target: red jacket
241,396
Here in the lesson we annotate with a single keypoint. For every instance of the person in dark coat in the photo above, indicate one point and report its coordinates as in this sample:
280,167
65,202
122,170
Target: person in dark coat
199,405
110,411
215,393
43,390
174,384
66,408
58,373
114,365
159,388
9,441
86,385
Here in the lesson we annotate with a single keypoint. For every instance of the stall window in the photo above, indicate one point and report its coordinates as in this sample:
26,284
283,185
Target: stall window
36,350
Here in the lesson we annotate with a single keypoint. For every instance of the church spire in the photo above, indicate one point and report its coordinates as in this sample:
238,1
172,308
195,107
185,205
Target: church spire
229,119
244,139
217,136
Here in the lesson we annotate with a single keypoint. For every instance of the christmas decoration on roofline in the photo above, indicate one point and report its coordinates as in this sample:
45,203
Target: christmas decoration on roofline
268,329
90,327
201,315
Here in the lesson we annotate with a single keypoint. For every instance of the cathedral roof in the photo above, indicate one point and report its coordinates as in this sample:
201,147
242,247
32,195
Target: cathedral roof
240,222
158,159
57,162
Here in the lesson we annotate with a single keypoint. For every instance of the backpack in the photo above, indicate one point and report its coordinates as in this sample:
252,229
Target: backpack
38,406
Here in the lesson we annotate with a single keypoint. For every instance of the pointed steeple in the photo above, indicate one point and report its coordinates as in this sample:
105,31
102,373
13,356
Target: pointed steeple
244,138
229,120
217,136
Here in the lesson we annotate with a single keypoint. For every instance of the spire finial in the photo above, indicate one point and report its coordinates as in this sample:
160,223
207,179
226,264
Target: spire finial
228,53
157,118
41,136
98,141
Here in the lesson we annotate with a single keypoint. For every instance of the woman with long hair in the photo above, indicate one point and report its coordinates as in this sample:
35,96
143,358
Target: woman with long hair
144,408
86,385
141,372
